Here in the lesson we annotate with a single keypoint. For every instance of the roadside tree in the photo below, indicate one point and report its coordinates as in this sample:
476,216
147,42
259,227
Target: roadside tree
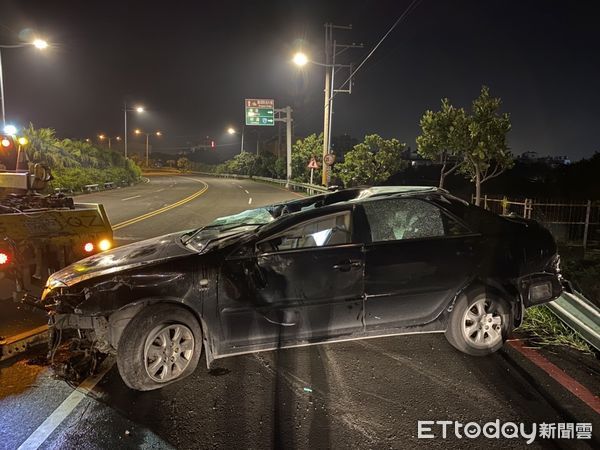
371,162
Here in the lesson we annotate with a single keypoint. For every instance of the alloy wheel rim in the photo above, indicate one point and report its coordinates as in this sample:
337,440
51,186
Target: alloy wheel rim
168,352
482,324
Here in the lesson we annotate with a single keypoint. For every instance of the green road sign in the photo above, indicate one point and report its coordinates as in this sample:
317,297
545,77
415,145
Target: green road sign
260,112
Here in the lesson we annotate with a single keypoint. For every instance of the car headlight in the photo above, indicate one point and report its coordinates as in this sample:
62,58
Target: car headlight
539,292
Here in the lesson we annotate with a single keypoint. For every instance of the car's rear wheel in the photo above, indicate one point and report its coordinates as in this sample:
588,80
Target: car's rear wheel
161,345
480,323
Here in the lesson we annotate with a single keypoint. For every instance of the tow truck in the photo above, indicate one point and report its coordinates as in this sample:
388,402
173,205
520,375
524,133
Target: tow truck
39,234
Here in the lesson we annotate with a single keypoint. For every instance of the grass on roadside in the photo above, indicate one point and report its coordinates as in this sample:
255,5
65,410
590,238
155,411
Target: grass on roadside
546,329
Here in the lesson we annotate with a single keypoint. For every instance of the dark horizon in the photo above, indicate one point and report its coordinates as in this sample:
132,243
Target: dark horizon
192,67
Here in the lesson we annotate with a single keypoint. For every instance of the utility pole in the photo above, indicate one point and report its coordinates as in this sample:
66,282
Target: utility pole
331,51
288,122
147,138
125,112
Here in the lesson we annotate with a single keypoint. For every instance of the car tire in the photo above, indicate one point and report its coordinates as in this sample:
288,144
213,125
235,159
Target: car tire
160,345
480,323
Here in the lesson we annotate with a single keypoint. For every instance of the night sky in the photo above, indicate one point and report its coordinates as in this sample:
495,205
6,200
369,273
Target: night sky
193,63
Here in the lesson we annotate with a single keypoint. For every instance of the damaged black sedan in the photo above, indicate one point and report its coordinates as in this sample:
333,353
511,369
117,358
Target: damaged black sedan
346,265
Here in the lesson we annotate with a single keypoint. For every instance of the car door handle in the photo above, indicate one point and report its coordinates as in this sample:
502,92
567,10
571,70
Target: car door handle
344,266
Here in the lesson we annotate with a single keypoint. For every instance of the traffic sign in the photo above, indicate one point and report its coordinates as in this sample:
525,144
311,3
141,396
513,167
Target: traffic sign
329,159
260,112
313,164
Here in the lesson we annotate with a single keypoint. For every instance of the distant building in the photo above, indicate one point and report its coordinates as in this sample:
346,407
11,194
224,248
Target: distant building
413,157
531,157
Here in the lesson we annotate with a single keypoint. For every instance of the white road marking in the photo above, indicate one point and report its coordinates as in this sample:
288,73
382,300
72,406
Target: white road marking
39,436
240,186
246,191
250,201
130,198
160,190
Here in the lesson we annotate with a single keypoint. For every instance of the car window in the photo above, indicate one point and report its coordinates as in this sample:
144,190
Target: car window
325,231
398,219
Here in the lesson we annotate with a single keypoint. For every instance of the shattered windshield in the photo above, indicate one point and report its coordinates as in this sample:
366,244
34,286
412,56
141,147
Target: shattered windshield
258,216
227,226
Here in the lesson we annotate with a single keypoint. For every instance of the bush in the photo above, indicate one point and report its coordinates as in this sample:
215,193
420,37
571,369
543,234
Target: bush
75,164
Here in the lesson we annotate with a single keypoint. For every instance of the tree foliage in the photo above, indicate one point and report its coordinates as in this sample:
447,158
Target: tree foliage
303,151
183,164
487,154
443,138
75,163
372,161
472,143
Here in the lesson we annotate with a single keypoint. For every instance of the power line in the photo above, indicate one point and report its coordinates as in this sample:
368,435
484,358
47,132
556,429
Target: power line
412,5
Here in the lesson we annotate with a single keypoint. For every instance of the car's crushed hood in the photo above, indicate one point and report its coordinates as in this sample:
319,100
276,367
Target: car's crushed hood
150,251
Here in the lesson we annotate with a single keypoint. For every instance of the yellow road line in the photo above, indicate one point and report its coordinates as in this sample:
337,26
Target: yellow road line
128,222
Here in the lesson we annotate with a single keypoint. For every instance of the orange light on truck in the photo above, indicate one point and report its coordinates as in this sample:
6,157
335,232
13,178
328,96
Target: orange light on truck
104,245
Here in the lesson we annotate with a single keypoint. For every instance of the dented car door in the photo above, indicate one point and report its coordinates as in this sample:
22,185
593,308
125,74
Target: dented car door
304,285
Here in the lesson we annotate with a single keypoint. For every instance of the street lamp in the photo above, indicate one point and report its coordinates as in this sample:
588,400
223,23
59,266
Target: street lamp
331,51
300,59
156,133
40,44
10,130
138,109
102,137
233,131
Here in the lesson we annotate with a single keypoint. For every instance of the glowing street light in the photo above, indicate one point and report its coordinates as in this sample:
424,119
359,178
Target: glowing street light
10,130
40,44
300,59
231,130
138,109
156,133
102,137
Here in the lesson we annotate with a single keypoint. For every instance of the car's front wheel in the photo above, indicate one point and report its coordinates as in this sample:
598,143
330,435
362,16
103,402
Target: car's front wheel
161,345
479,324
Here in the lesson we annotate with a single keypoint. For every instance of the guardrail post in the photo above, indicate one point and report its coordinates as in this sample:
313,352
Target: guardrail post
504,206
485,205
586,225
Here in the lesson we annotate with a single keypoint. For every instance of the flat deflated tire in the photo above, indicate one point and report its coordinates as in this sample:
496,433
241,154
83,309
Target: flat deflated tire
159,346
480,323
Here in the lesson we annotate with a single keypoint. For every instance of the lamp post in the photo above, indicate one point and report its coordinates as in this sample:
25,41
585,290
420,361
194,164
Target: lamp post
137,109
156,133
232,131
40,44
331,51
109,139
102,137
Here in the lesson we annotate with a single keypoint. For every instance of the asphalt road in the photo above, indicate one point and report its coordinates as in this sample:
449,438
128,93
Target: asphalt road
363,394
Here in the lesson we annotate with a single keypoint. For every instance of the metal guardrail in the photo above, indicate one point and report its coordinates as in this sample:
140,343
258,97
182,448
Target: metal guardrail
578,313
310,189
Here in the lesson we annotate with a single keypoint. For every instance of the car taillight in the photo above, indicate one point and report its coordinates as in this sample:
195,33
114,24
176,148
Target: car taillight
88,247
4,259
